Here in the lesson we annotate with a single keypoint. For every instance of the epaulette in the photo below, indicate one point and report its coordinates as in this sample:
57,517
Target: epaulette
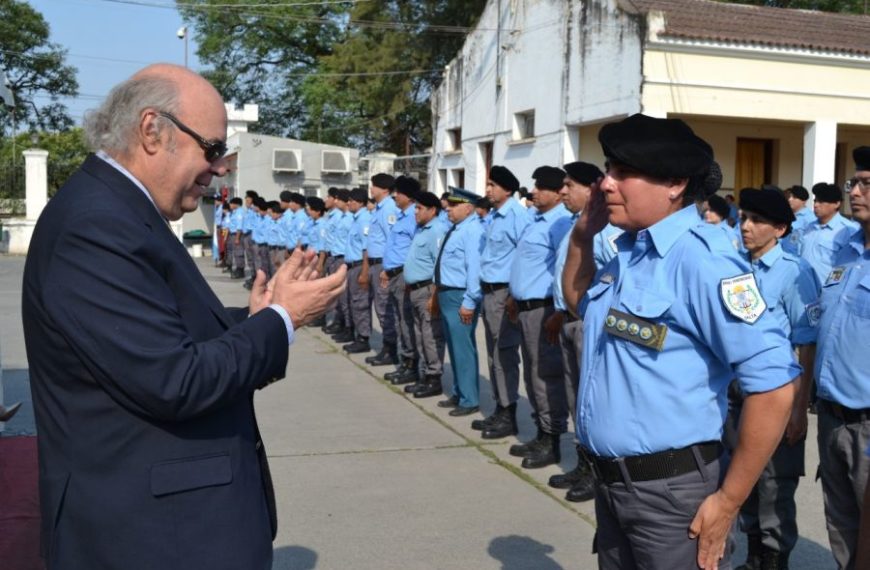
713,237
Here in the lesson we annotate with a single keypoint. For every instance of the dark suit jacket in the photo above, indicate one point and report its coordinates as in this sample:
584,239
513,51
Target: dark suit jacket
143,386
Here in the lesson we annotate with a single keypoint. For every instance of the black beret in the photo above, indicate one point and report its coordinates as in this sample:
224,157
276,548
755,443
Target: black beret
483,203
428,200
359,195
298,198
712,180
583,172
343,194
504,178
285,196
769,203
332,192
862,157
549,178
384,181
825,192
261,203
274,206
316,203
445,196
252,194
664,148
236,201
718,204
799,192
408,186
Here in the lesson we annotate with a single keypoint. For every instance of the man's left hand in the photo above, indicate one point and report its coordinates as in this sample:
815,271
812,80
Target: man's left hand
553,327
711,526
465,315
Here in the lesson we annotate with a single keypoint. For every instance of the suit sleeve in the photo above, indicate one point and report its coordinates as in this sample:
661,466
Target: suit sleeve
107,291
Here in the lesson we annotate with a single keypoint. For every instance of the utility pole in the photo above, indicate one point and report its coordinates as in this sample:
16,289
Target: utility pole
182,35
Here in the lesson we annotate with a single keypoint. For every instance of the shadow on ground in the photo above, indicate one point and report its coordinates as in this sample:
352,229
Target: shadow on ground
294,558
522,553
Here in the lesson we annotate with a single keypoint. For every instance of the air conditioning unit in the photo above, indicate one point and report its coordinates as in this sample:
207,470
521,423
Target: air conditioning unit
286,160
336,161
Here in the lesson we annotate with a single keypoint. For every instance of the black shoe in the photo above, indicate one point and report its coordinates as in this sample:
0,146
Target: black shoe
505,424
405,365
569,479
773,559
523,449
237,274
343,336
430,387
583,490
480,425
450,402
358,346
320,322
334,328
546,453
411,388
754,553
7,413
406,377
226,269
249,284
463,411
386,357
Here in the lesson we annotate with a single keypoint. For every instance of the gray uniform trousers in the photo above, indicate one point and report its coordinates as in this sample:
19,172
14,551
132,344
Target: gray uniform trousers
276,256
428,332
502,348
571,341
264,259
235,253
844,467
401,307
542,372
386,314
645,524
341,308
250,252
360,303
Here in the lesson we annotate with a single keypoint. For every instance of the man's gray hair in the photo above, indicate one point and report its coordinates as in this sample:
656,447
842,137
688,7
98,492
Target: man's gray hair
112,126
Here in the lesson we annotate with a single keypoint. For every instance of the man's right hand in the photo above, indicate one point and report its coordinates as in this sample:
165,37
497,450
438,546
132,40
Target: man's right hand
363,279
298,287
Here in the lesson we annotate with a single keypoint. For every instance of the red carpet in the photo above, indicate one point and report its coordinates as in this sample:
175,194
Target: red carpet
19,504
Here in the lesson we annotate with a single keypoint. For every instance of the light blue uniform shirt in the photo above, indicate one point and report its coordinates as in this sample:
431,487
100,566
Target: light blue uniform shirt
500,242
399,240
330,222
357,234
604,245
258,224
288,230
383,218
534,263
442,217
842,359
791,291
420,264
817,243
273,231
635,400
305,232
803,218
460,261
342,230
316,234
236,218
249,219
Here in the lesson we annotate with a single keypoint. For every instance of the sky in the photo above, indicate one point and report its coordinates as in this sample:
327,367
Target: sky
108,41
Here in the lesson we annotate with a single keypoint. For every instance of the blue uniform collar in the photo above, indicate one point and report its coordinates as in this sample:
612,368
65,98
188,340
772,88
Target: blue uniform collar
431,223
380,204
409,210
666,232
770,258
856,241
467,220
558,210
509,204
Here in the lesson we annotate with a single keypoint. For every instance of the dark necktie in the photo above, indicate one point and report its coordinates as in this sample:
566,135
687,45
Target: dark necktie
438,259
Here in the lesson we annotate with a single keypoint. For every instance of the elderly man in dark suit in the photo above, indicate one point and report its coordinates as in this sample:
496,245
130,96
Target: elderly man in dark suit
143,383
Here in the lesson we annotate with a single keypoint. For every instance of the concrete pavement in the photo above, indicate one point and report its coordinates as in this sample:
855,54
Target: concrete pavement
367,478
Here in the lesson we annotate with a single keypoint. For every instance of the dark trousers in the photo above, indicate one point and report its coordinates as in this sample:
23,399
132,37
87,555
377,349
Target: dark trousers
502,348
462,348
383,309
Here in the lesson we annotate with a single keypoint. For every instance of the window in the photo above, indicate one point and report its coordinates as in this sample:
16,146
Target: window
524,125
454,140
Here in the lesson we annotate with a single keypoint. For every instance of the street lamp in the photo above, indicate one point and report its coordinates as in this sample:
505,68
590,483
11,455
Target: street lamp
182,35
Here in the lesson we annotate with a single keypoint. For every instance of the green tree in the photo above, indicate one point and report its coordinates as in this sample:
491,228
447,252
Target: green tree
66,151
34,68
843,6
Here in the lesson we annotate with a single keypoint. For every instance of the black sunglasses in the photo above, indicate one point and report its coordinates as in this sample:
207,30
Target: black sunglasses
213,149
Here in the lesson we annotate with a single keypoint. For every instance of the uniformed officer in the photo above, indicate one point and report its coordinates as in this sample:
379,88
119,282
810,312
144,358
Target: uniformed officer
383,218
842,374
667,324
790,290
222,230
336,243
531,304
509,221
359,296
258,239
717,213
300,220
273,236
237,247
457,278
247,227
816,242
483,209
797,197
391,277
419,273
565,328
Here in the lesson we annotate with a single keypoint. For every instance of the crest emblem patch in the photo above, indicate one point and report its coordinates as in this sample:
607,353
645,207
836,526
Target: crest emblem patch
814,313
391,220
836,275
742,297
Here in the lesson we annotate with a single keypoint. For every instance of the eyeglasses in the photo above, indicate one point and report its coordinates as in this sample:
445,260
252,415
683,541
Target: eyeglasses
213,149
863,184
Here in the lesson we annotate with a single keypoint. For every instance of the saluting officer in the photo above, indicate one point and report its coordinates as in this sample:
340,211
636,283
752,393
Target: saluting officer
842,374
667,324
457,278
419,273
359,297
791,291
531,287
509,221
816,243
395,253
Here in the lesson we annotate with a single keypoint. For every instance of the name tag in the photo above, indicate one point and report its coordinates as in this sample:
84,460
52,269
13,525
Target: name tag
836,275
635,329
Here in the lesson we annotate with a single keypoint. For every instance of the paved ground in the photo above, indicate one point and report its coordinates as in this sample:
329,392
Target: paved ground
369,479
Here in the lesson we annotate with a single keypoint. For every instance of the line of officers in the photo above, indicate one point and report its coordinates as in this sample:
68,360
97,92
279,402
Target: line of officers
687,327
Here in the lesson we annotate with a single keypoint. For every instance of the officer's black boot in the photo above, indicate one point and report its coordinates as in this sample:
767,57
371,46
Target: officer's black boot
584,488
482,424
546,453
524,449
318,322
430,387
406,375
361,344
753,554
344,336
238,274
503,425
773,559
567,480
418,385
387,356
334,328
401,368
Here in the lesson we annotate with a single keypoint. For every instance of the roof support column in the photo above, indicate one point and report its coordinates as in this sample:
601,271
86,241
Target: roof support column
820,151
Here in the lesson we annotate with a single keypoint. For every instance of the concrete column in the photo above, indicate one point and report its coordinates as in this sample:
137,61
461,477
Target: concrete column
820,152
36,181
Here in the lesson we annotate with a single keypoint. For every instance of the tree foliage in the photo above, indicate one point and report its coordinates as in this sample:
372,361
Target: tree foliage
35,69
66,152
842,6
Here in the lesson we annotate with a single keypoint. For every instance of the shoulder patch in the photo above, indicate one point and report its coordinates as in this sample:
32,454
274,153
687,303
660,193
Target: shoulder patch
391,219
742,297
814,313
365,230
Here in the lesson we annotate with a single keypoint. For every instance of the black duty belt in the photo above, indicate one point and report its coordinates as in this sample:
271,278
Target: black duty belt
532,304
569,317
262,244
375,260
336,257
446,288
654,466
848,415
492,287
352,264
394,271
275,247
419,285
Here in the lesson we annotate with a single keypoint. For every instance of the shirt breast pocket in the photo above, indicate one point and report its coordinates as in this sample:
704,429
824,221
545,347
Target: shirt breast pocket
534,248
647,305
498,244
859,299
